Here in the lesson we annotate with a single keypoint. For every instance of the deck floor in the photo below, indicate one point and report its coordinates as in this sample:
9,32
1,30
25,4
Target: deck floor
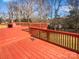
15,43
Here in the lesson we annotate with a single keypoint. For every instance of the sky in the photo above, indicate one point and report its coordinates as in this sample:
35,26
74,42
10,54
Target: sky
3,7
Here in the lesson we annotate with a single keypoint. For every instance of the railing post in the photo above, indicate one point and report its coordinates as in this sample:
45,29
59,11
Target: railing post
48,38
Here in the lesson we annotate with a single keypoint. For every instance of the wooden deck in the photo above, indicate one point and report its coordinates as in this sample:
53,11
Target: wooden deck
16,43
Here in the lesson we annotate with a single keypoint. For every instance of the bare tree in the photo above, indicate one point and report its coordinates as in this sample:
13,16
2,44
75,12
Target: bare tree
74,13
13,10
25,9
55,6
44,8
74,5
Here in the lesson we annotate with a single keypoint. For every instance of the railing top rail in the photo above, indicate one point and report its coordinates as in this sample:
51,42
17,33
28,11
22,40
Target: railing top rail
55,31
32,22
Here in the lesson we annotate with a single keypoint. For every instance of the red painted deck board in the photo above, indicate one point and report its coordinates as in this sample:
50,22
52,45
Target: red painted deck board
17,44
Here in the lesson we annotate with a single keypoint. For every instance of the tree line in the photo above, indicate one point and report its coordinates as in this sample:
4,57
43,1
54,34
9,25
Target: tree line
71,21
41,10
25,10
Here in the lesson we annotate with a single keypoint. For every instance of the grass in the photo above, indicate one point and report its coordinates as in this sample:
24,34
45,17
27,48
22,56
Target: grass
3,26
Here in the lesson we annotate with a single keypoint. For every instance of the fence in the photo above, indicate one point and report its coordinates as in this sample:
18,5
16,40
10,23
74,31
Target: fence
37,25
64,39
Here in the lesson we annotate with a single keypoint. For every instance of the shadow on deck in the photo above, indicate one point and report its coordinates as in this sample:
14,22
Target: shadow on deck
17,43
